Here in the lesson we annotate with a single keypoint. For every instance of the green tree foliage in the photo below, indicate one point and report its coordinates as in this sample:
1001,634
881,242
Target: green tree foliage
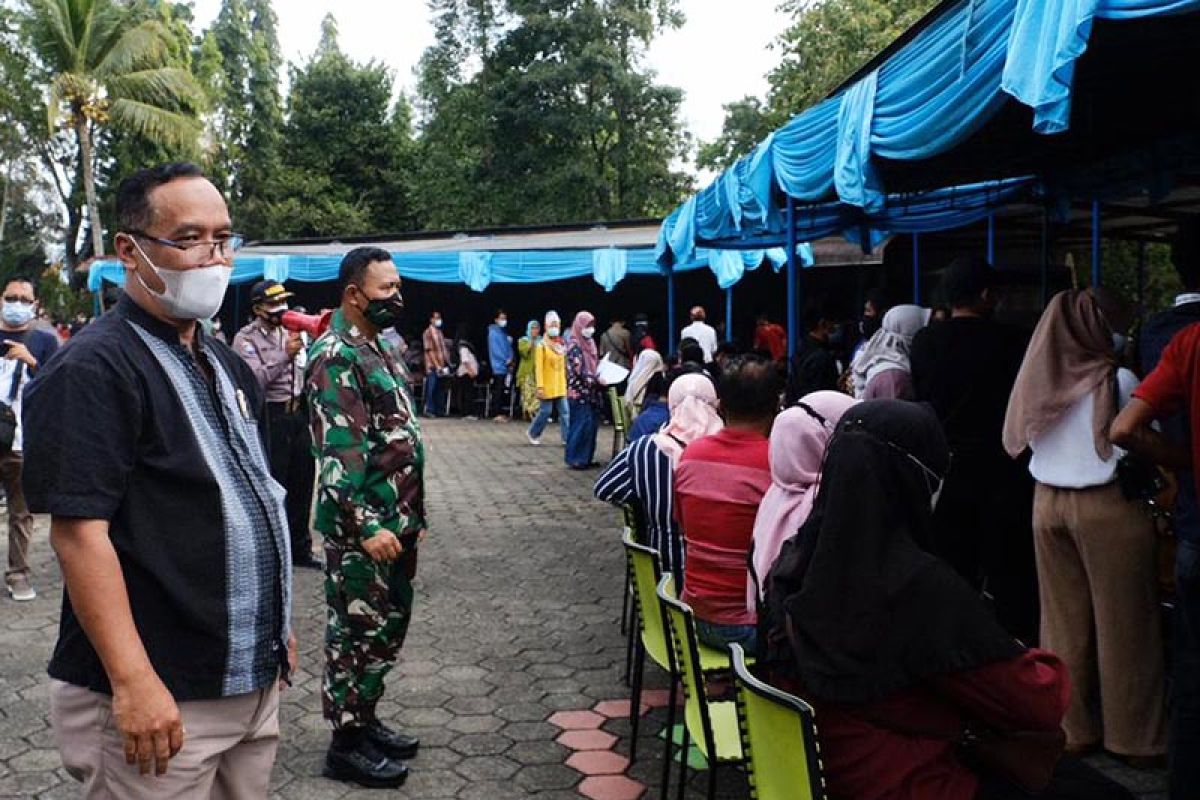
827,41
239,60
346,155
559,120
108,63
122,151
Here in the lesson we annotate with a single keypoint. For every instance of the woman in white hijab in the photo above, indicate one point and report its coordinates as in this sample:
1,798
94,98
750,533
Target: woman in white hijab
881,370
648,363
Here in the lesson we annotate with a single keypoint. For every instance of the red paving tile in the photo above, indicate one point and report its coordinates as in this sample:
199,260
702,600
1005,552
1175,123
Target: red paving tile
577,720
598,762
611,787
617,709
658,698
587,740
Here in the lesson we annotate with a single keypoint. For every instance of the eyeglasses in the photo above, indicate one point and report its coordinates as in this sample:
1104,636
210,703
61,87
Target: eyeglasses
226,245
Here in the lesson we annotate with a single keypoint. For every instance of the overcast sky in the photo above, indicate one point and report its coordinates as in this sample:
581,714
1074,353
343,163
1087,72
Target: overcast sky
720,55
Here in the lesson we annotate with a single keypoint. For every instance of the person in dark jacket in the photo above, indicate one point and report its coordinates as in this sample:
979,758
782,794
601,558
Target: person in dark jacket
965,368
1184,725
815,367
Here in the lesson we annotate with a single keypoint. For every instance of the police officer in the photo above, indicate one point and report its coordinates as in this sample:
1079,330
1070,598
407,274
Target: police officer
276,357
371,510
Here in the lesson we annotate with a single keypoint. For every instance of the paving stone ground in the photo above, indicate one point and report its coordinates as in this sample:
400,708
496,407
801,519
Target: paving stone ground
516,618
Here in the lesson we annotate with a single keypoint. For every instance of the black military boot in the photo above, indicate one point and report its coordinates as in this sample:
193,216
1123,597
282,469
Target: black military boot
392,743
353,757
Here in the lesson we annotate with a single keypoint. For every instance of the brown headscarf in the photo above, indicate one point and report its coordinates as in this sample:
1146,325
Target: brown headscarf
1071,354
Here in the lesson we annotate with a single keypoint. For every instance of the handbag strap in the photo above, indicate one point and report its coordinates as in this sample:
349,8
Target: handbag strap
16,383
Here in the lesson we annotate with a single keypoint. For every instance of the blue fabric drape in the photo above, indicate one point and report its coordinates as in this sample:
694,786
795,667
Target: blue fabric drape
475,269
609,266
1049,36
854,177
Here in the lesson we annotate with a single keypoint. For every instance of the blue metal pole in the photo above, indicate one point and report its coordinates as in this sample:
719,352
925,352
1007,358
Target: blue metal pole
1096,270
991,244
916,247
671,310
729,314
792,321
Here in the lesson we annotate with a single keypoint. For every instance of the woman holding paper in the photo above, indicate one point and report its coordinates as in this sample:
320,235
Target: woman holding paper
585,392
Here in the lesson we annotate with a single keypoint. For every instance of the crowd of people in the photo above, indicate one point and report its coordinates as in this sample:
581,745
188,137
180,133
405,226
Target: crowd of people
951,526
943,534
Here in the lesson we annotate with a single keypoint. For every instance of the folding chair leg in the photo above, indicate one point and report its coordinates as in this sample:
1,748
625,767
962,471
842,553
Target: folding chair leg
683,758
625,599
712,780
666,770
635,703
631,638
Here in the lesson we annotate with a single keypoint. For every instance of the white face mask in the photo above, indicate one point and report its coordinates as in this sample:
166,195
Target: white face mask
194,293
588,332
437,323
503,323
552,331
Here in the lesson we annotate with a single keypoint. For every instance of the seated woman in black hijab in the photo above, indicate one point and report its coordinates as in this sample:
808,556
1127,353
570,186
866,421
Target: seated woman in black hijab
897,653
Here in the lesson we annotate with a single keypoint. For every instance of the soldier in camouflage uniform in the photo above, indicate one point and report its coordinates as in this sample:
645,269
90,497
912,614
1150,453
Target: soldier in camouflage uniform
370,508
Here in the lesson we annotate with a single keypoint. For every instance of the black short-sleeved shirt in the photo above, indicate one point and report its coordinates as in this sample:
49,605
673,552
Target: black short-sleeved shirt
123,426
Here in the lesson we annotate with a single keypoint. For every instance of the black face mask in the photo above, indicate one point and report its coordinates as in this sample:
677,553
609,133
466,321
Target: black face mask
384,312
868,325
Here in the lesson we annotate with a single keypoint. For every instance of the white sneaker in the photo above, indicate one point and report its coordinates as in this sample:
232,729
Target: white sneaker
532,441
19,588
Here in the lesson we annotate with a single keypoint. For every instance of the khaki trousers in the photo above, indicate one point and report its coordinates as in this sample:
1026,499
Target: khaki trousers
20,521
1097,569
228,749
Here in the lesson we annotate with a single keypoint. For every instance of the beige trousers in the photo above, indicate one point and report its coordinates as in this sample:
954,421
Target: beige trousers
1097,569
228,749
20,521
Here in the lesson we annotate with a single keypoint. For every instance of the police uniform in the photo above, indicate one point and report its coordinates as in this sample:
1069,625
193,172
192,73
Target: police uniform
264,348
370,478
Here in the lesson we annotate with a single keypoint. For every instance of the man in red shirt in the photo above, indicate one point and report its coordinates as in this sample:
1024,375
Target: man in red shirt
1174,387
719,483
770,337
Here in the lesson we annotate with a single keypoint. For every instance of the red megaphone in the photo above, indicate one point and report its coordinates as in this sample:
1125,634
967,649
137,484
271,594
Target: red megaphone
312,324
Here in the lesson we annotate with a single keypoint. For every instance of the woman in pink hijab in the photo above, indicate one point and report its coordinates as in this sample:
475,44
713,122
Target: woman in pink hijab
585,392
798,441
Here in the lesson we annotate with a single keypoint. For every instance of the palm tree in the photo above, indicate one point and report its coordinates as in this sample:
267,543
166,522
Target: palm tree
107,64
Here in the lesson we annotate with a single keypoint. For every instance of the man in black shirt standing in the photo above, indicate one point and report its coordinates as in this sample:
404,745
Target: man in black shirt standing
24,350
965,368
815,366
171,534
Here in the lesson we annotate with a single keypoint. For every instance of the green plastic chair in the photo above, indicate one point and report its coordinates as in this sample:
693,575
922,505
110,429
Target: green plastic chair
712,725
620,420
779,737
654,641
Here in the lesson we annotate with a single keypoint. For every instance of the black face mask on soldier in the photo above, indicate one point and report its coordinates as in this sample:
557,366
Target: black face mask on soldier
384,312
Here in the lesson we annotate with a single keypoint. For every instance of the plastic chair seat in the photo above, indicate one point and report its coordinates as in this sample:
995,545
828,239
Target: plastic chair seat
712,659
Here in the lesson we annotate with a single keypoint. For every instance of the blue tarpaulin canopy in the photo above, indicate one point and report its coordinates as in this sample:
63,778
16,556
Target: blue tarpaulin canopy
928,96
